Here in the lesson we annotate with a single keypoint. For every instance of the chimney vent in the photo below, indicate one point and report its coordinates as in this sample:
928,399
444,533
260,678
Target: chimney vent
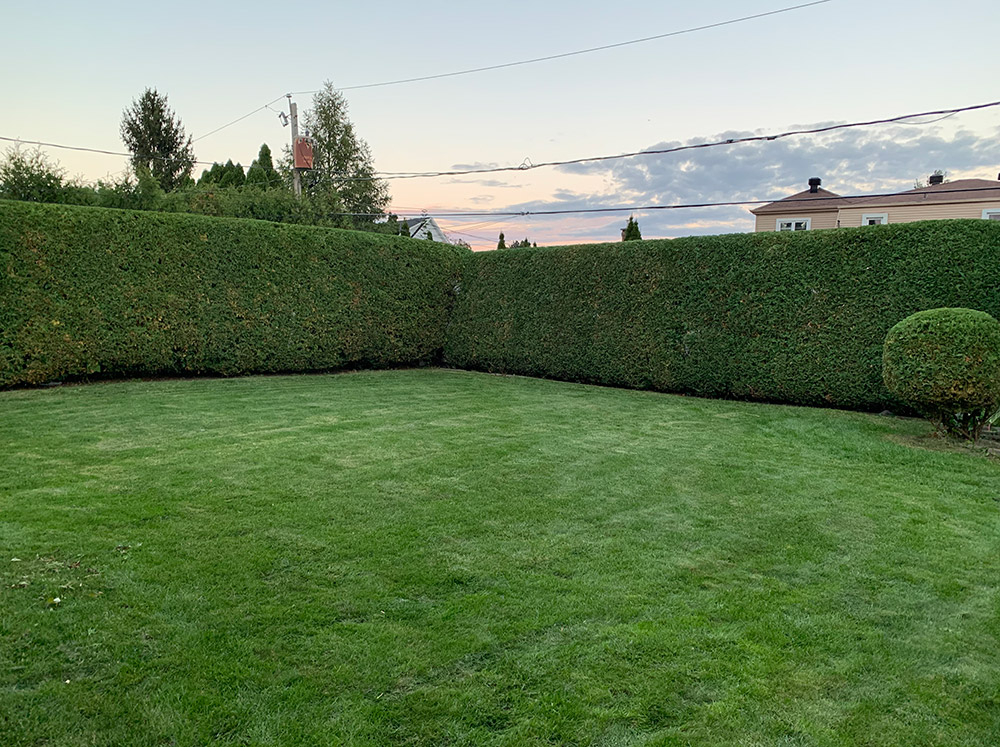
936,179
814,184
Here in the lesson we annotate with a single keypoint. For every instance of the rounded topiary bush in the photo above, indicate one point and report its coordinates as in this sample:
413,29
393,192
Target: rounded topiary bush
945,363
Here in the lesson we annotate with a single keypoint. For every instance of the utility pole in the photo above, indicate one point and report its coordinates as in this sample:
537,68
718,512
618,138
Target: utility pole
293,115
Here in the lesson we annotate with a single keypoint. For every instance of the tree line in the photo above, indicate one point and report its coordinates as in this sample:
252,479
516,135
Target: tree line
342,190
629,233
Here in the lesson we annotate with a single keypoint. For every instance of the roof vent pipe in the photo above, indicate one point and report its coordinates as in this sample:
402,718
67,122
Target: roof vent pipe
936,179
814,184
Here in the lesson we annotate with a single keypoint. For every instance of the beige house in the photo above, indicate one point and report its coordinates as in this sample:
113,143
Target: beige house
817,208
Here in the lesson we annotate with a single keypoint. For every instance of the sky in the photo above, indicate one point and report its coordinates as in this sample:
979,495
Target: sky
71,68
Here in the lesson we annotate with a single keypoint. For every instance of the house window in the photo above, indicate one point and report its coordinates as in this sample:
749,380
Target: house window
991,214
793,224
874,219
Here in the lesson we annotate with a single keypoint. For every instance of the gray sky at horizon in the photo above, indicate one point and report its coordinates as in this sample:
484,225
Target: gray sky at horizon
72,68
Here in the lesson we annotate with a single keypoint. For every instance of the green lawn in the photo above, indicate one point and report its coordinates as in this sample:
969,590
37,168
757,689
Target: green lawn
436,557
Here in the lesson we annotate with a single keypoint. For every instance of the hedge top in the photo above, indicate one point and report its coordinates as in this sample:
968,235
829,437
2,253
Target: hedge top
94,291
784,317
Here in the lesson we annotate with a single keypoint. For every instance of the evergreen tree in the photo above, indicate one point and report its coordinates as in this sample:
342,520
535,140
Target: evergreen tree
232,175
501,244
632,230
261,172
404,228
226,174
212,175
156,139
343,168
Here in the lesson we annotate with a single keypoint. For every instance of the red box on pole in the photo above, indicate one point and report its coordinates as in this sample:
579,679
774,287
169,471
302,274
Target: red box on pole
303,153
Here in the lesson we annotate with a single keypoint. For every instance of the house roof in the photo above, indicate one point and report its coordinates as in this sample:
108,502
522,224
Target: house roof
963,190
420,226
818,201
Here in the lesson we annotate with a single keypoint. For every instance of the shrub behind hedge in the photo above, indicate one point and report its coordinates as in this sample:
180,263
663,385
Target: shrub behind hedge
789,317
91,291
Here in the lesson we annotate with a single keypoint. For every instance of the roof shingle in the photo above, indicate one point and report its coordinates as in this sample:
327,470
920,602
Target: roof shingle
963,190
818,201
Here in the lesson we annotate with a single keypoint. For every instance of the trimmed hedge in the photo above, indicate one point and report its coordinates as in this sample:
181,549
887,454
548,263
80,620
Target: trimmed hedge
945,363
98,292
797,317
788,317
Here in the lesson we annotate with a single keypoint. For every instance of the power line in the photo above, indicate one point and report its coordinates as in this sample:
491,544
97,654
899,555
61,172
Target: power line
89,150
238,119
65,147
932,121
525,62
577,52
479,226
639,208
40,143
470,235
527,166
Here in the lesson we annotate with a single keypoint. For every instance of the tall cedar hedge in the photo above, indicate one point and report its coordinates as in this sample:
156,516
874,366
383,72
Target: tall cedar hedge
786,317
790,317
91,291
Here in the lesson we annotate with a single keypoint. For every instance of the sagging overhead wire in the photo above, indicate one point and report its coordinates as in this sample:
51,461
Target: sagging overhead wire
239,119
528,166
603,47
640,208
546,58
43,144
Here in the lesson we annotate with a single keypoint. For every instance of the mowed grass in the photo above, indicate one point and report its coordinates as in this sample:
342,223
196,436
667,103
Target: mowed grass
434,557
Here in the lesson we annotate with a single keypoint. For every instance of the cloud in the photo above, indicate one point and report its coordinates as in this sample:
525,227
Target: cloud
481,199
473,166
495,183
849,162
605,226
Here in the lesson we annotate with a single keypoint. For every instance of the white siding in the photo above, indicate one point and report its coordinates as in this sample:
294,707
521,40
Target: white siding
818,221
851,217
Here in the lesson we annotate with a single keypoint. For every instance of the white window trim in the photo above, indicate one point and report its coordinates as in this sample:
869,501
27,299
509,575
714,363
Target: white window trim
868,216
990,211
779,221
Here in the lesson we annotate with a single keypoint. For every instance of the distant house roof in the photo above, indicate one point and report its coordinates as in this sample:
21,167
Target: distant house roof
821,199
963,190
420,226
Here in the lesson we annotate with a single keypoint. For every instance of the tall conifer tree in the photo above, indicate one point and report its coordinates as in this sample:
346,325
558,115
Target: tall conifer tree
156,139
